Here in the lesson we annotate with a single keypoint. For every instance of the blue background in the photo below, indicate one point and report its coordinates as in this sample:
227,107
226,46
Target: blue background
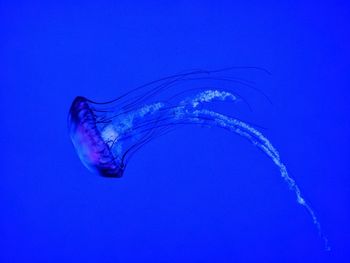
195,195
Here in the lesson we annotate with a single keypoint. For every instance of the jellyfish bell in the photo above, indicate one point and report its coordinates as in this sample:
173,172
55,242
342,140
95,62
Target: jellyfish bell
91,146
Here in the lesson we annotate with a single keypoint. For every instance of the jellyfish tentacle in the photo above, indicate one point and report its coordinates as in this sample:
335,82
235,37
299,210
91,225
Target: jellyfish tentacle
163,114
169,81
149,84
189,112
106,136
201,89
241,128
177,81
134,148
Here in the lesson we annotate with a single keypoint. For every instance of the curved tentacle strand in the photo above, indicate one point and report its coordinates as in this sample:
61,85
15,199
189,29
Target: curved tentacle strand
106,138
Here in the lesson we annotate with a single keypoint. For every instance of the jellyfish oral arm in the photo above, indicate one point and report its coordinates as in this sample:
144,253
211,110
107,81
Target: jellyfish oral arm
105,139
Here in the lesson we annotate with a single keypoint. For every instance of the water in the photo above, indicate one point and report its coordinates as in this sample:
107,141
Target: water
196,194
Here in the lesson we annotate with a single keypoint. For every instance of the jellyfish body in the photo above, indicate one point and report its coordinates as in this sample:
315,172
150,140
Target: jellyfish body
92,150
106,134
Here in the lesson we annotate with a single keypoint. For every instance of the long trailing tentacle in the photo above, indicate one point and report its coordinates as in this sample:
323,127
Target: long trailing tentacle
132,99
151,121
258,139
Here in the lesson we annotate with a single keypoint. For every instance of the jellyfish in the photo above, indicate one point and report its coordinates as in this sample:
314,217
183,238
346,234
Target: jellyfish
106,134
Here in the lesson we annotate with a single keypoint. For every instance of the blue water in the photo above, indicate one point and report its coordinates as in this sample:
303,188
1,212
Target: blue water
196,194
